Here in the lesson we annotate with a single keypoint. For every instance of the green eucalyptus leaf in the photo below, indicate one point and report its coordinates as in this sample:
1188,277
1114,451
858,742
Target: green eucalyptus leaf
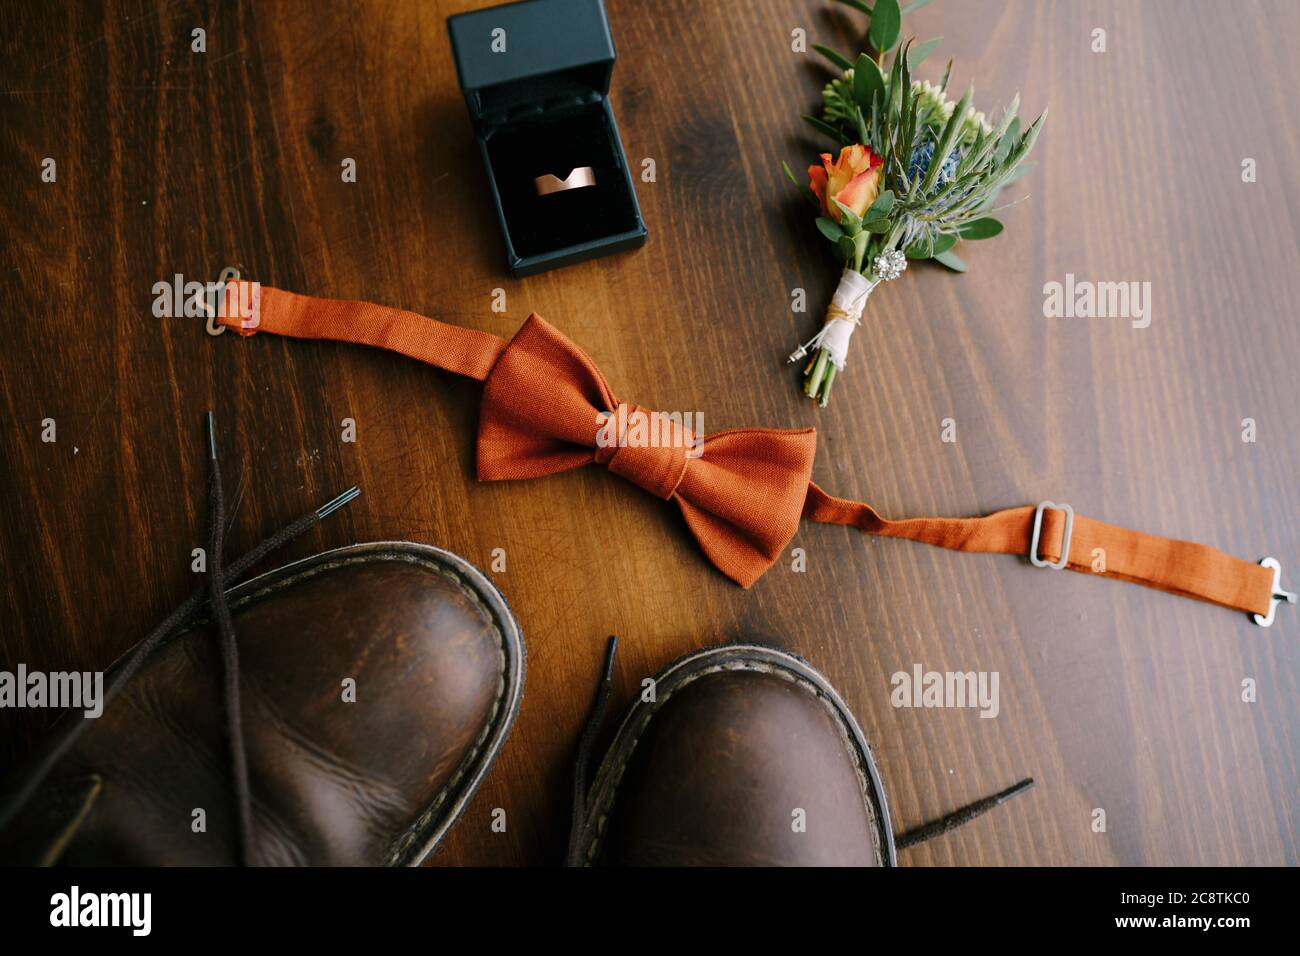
867,82
923,248
830,229
951,260
886,25
880,208
857,5
876,226
847,248
943,243
843,62
918,53
985,228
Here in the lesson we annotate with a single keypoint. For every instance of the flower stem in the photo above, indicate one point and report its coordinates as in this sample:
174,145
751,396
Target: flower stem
820,375
826,386
812,384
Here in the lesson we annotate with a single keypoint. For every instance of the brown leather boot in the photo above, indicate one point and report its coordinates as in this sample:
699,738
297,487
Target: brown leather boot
378,682
745,757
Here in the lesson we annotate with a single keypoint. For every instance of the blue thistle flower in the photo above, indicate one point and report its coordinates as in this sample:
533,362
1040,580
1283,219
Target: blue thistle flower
923,155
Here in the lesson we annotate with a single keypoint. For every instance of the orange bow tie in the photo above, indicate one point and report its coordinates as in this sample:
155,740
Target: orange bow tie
742,492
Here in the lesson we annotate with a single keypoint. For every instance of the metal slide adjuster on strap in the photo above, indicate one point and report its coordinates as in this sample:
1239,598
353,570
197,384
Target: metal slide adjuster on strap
1034,559
1279,595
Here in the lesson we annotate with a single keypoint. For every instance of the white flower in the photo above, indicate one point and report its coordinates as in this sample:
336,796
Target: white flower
935,109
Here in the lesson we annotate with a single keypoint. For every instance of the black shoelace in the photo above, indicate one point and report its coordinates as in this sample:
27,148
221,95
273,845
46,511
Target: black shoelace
73,724
580,826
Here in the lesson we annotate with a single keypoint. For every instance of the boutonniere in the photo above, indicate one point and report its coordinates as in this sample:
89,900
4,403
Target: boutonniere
911,174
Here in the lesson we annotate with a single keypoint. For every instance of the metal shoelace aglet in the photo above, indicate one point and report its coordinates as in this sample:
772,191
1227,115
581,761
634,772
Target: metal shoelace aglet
1015,791
607,672
327,509
959,817
210,423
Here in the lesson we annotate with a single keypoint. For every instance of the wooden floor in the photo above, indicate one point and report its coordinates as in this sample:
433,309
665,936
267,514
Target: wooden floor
1112,696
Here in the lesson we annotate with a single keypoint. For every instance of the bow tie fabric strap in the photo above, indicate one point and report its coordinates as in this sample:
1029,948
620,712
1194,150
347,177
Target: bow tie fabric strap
742,492
451,347
1181,567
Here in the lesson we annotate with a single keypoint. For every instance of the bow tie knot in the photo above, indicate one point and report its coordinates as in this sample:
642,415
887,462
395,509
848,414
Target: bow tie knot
650,449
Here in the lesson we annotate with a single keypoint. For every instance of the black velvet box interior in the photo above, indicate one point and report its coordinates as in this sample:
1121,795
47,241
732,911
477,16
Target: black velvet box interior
536,77
560,144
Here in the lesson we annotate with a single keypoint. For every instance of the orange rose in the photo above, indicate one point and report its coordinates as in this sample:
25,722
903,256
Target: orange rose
854,179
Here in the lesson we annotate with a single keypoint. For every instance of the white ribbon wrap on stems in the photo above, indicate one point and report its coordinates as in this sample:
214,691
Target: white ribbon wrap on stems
843,316
845,311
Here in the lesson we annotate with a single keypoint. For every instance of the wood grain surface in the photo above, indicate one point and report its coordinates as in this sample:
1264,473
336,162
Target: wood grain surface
1112,696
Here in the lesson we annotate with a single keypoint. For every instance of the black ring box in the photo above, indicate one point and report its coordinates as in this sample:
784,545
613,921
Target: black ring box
536,77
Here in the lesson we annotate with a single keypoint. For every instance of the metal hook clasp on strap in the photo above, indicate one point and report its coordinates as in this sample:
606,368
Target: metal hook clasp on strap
1279,595
214,328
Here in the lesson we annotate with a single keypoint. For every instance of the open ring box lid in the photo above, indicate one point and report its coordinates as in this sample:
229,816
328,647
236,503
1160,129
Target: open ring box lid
536,77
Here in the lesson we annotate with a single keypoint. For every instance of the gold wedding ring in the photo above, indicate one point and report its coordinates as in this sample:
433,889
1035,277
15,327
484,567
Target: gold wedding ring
577,179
